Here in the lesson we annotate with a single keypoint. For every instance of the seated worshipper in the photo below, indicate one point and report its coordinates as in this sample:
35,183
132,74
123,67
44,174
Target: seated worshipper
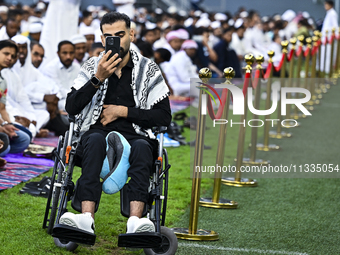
89,34
180,69
37,54
162,55
63,71
205,54
10,29
96,49
41,90
35,31
106,97
79,42
18,139
226,56
18,104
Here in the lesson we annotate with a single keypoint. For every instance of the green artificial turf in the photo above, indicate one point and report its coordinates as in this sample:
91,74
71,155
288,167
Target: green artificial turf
283,215
280,216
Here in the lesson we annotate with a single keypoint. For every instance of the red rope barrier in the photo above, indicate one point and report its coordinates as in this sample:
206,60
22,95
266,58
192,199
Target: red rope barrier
298,52
291,54
220,108
266,75
332,39
307,52
257,78
281,62
315,50
326,40
246,82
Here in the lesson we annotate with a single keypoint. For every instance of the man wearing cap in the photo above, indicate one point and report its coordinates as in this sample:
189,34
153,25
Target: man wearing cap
180,69
237,41
41,90
226,56
63,70
80,54
35,31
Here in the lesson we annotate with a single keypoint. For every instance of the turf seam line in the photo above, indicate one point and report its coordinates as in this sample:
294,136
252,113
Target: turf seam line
211,247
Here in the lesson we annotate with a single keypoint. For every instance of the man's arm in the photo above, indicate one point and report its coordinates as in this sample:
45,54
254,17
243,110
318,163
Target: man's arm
159,115
7,128
77,99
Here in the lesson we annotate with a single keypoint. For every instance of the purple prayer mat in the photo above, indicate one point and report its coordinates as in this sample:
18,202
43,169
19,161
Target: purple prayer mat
20,158
47,141
17,173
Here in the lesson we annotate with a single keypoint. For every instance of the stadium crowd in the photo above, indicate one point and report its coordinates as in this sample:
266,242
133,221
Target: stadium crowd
36,85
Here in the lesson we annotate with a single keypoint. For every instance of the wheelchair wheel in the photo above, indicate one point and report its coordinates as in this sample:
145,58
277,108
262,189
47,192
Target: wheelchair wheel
56,189
54,173
169,243
70,246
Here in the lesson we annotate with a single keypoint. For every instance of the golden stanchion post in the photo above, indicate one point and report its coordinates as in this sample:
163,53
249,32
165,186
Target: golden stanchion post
279,134
216,201
317,33
325,55
326,86
297,114
310,103
314,98
238,181
252,160
336,67
192,233
290,84
331,64
266,146
338,55
317,90
320,87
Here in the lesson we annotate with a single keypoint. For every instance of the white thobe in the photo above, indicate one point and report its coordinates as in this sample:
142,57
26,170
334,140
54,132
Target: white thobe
330,22
63,77
179,71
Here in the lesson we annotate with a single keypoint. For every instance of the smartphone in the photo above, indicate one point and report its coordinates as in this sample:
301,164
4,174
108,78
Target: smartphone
112,43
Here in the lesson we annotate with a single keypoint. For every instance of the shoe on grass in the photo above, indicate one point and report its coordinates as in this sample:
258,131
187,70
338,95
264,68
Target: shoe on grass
82,221
138,225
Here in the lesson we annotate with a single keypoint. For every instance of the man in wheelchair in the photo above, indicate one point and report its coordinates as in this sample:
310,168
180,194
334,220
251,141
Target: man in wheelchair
125,93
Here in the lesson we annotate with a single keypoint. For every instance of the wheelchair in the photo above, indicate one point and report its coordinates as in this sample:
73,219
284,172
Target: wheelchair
162,241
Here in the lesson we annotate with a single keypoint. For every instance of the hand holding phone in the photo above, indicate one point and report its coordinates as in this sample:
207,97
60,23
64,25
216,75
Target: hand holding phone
112,43
111,59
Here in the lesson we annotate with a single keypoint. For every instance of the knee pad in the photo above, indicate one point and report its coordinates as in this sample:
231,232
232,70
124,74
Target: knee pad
116,163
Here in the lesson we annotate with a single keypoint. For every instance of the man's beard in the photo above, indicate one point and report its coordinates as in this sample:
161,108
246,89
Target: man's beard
123,53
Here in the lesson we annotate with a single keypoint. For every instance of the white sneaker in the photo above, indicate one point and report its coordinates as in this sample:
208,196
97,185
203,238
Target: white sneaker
82,221
137,225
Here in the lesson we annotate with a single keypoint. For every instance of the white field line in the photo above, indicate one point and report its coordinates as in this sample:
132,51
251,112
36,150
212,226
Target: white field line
211,247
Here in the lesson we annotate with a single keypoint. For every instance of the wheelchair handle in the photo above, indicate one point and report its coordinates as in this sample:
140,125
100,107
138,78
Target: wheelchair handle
72,118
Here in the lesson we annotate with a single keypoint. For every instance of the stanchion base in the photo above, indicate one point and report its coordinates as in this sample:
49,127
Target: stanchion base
309,107
318,96
270,147
291,124
244,182
298,116
248,162
201,234
313,102
274,134
222,204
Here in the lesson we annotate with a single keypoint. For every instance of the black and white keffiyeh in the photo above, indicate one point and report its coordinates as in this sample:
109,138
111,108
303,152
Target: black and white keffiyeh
147,84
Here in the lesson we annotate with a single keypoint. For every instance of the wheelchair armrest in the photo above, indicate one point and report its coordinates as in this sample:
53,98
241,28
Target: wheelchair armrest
158,130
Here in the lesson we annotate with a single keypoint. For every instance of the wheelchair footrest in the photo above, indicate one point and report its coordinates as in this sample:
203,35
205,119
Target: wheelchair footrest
67,233
140,240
